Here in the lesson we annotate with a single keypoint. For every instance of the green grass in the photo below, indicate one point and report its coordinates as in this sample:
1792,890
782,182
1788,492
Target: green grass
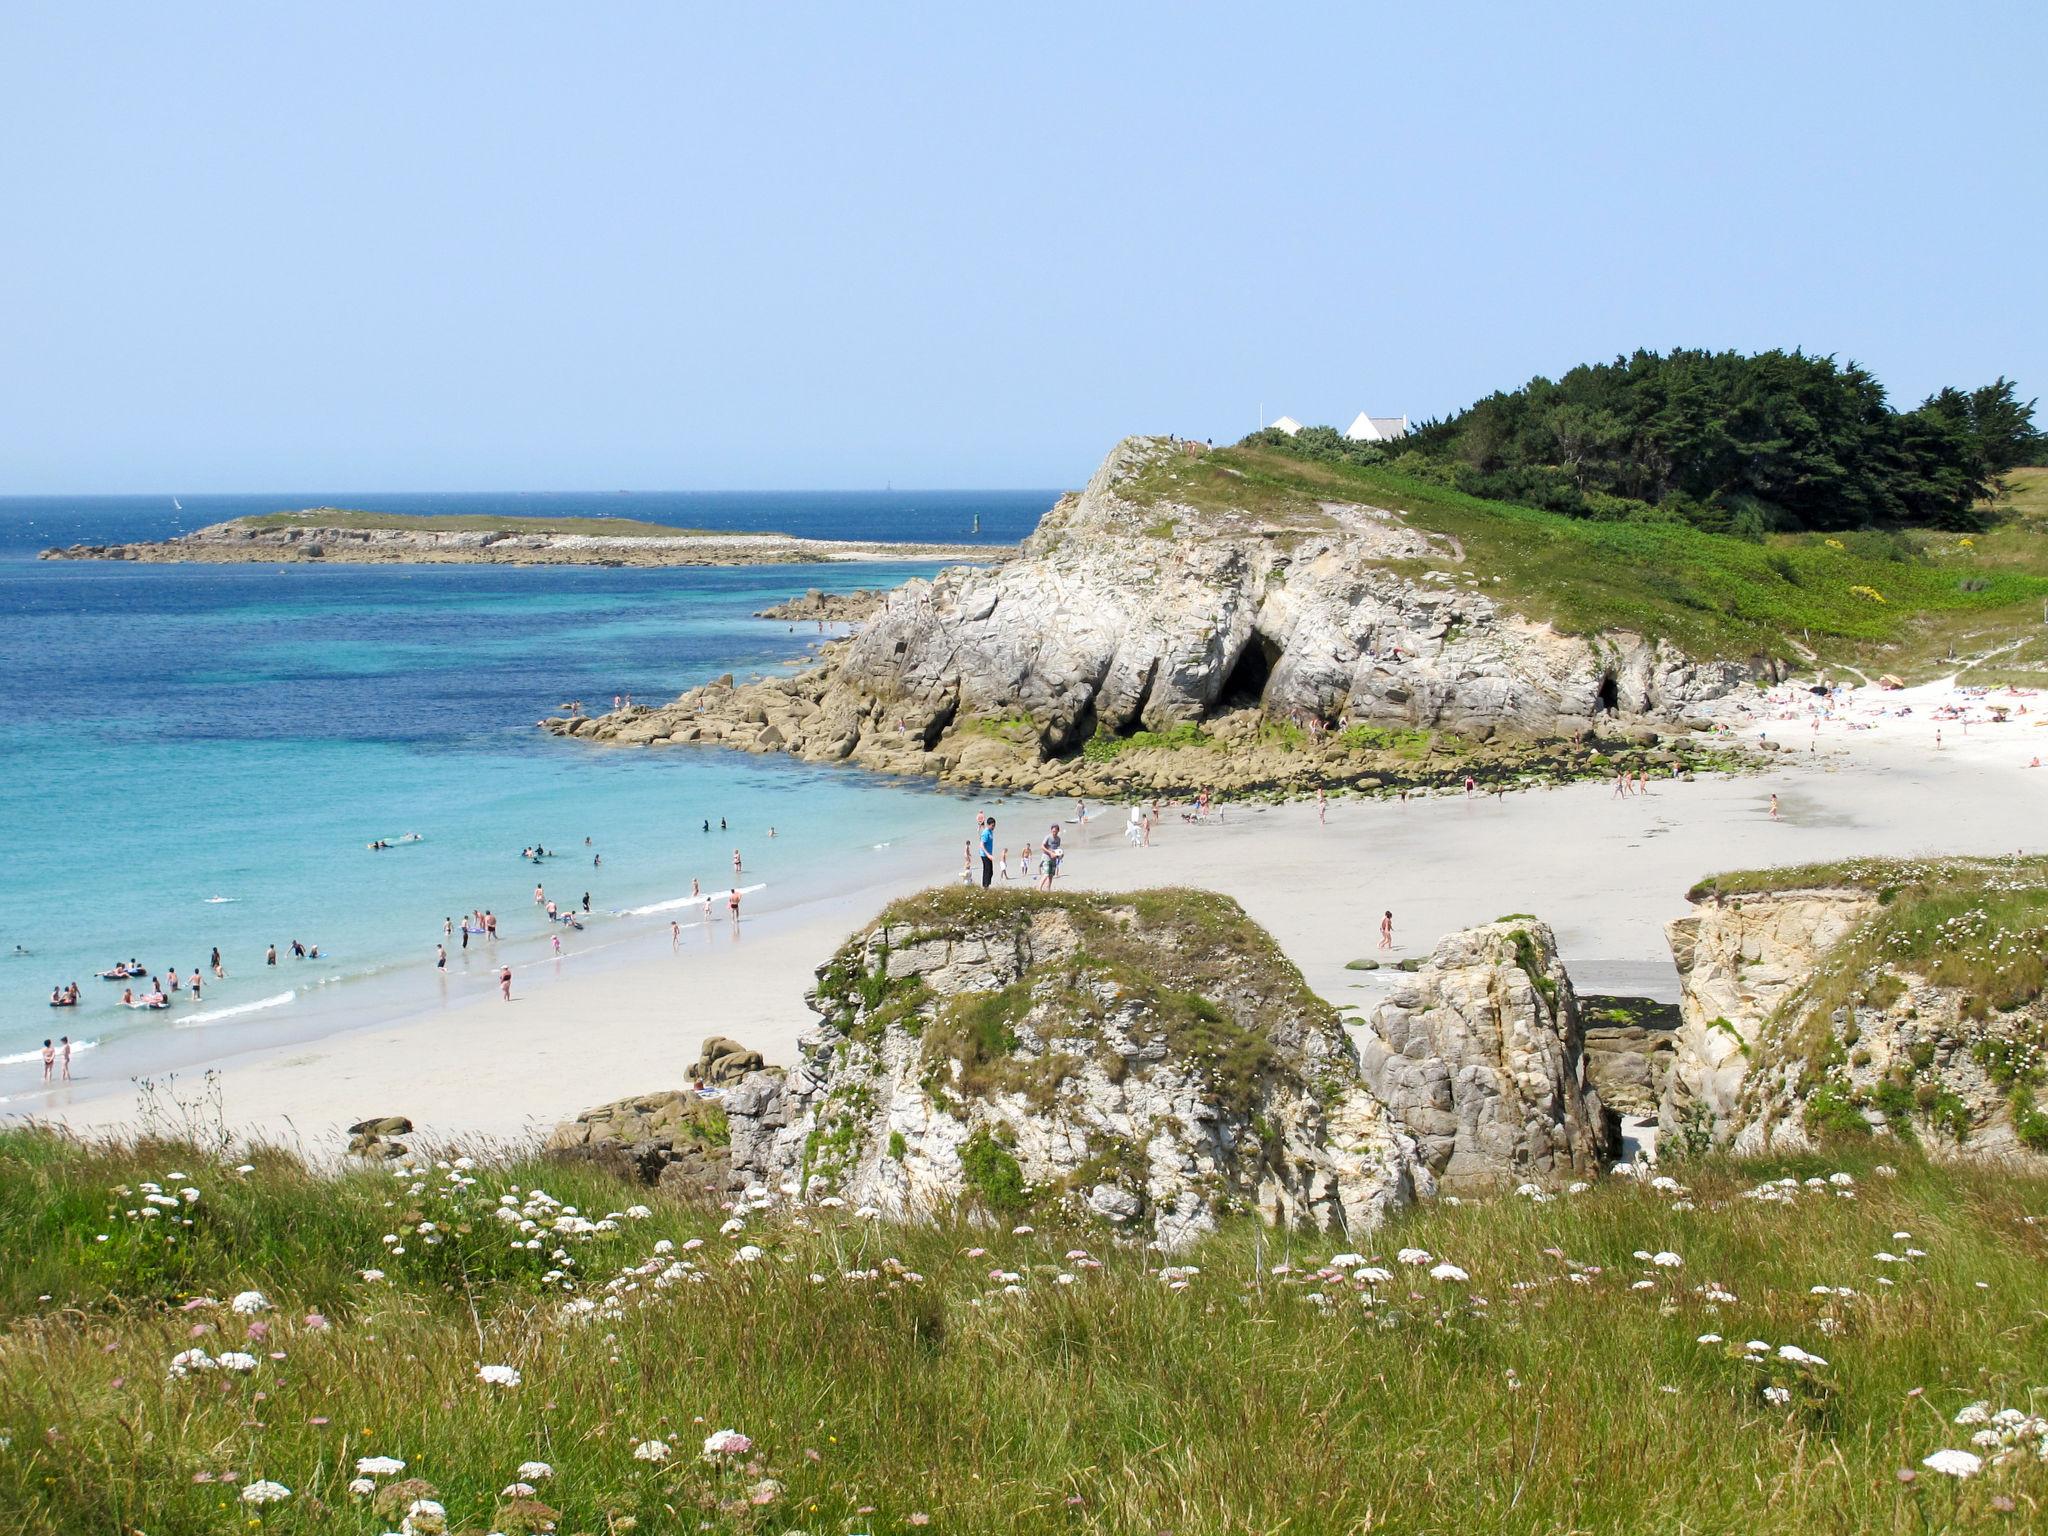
602,527
1710,594
891,1383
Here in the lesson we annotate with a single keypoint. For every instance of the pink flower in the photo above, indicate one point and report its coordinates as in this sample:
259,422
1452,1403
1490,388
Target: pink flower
726,1442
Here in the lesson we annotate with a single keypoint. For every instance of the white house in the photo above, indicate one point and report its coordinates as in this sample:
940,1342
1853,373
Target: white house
1376,429
1288,425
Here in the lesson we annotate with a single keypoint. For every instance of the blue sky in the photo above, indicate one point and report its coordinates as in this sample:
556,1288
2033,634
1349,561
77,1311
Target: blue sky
497,246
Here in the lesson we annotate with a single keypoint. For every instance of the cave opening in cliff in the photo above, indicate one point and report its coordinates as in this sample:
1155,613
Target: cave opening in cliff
1246,685
1609,699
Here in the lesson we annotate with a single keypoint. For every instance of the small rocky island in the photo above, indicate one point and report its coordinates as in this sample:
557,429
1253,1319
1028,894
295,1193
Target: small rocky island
374,538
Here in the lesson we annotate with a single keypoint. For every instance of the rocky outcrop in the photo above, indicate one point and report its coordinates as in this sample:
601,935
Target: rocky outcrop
1630,1045
1738,960
399,541
674,1139
828,607
1905,1000
1149,1059
1480,1056
1135,625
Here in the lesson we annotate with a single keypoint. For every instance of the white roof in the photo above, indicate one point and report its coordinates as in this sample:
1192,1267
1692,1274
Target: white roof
1288,425
1376,429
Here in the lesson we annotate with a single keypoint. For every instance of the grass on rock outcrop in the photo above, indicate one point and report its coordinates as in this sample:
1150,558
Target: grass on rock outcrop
1881,601
1581,1365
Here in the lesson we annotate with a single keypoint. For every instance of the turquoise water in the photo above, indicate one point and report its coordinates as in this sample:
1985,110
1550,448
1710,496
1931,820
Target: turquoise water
197,756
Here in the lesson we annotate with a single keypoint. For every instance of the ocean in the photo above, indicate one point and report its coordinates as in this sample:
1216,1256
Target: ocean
198,756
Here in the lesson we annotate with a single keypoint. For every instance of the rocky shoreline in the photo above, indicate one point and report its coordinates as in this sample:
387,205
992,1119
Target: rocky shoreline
1136,645
244,541
828,607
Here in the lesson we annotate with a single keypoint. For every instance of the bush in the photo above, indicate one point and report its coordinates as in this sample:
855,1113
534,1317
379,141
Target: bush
993,1174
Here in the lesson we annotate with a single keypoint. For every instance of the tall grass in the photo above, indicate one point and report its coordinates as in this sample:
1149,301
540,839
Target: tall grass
949,1378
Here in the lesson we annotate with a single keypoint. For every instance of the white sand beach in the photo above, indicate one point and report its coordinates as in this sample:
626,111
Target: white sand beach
1605,872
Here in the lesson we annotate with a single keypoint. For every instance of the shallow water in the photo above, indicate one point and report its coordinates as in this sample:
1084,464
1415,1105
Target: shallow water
197,756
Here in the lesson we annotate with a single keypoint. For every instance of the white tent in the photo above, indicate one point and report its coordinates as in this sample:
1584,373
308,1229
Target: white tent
1376,429
1288,425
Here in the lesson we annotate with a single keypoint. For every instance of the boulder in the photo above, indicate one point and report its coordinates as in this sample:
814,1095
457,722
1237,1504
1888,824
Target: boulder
382,1125
722,1061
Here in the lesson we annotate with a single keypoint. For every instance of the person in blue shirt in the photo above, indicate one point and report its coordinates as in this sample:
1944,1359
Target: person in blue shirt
988,852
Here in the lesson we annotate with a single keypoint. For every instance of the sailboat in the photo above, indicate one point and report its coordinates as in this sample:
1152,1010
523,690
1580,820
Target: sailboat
176,505
977,522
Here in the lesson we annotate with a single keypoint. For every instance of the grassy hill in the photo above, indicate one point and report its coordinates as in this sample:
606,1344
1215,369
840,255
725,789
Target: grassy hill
1879,602
974,1379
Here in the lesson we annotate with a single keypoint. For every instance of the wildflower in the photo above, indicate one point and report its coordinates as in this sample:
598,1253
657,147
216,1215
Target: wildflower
1778,1395
1953,1463
362,1487
249,1303
379,1466
1709,1338
535,1471
516,1491
263,1491
1667,1259
726,1442
1798,1356
498,1375
1413,1256
651,1450
1976,1413
1374,1275
424,1517
187,1361
1021,1231
1448,1272
236,1360
372,1275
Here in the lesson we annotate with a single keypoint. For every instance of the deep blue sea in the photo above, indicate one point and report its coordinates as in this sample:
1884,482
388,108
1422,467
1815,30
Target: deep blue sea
196,756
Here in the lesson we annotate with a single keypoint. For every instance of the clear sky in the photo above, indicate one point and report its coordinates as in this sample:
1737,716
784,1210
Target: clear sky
569,246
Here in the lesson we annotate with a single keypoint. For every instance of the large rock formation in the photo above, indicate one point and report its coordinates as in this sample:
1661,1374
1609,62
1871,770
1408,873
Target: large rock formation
1151,1059
1130,612
1480,1055
1737,961
1899,997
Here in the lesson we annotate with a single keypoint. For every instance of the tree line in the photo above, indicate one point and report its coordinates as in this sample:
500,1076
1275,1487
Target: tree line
1731,442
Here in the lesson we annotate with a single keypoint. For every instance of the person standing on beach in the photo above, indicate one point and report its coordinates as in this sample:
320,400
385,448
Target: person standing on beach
505,982
49,1060
732,902
1322,808
988,852
1774,806
1387,930
735,866
675,932
195,983
65,1058
440,957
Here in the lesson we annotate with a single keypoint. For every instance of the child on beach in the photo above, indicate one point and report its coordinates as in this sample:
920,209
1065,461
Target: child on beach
1387,930
505,983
